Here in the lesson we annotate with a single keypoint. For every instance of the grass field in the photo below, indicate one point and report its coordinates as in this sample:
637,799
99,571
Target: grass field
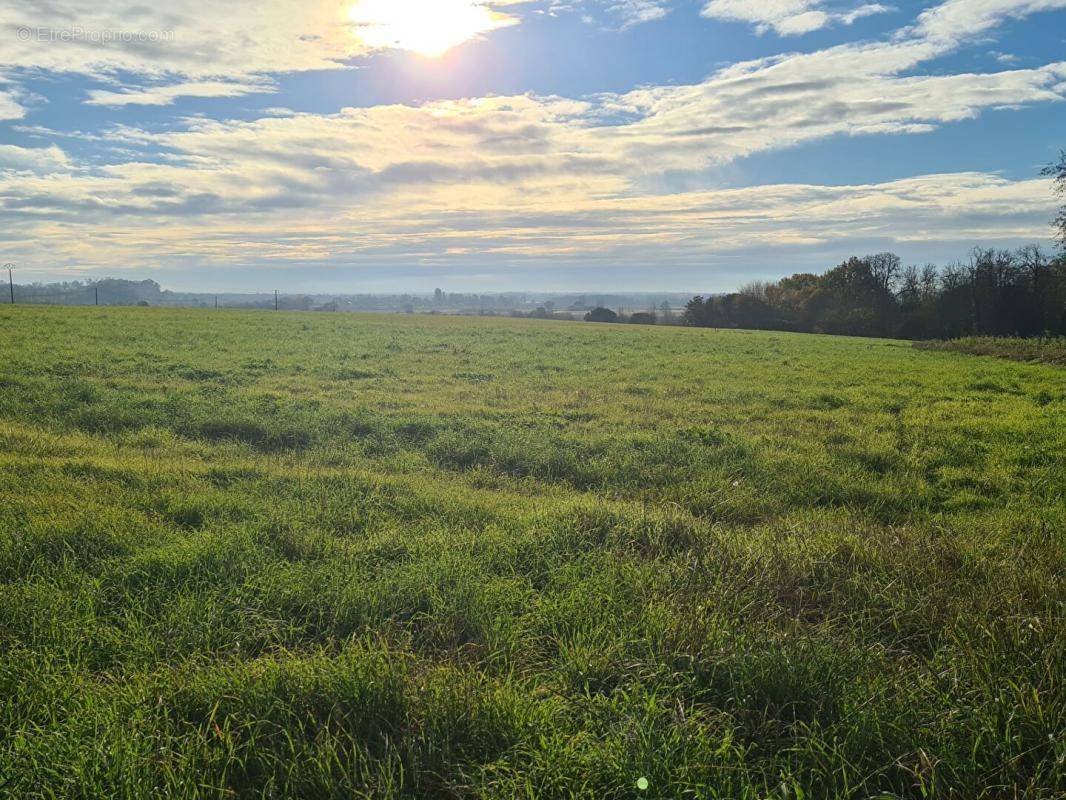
284,555
1046,350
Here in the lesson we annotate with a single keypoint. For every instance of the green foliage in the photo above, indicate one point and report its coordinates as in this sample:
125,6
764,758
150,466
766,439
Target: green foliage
997,293
283,555
601,315
643,318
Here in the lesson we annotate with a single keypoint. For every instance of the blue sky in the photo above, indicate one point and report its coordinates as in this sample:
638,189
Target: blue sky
581,145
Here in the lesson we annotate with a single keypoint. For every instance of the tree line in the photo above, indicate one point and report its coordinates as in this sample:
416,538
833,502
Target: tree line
993,293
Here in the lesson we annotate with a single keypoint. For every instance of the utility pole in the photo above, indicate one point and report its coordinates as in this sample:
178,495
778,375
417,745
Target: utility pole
276,307
216,302
96,294
11,285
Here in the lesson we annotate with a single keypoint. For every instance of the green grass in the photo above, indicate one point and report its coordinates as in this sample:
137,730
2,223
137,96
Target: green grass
279,555
1047,349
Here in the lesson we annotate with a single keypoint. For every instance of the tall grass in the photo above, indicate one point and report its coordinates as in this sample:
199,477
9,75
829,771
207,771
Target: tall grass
1045,349
262,556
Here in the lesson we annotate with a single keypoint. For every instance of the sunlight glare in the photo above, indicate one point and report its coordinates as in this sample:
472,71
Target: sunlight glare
427,27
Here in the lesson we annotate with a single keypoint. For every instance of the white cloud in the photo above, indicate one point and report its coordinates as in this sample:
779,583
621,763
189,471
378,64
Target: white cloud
506,179
512,178
10,108
165,95
38,160
788,17
193,39
781,102
949,22
193,44
705,228
509,147
626,13
956,20
636,12
187,47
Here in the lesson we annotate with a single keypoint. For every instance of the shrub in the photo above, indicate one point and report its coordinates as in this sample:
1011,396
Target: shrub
601,315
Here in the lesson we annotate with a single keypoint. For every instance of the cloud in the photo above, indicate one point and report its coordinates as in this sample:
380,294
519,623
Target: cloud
628,13
165,95
10,108
815,225
507,180
956,20
192,48
510,147
407,166
38,160
771,104
1004,58
788,17
949,22
193,40
636,12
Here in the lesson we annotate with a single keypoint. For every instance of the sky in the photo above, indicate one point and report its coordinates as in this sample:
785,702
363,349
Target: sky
555,145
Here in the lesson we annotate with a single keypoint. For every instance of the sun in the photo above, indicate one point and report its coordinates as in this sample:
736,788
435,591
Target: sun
427,27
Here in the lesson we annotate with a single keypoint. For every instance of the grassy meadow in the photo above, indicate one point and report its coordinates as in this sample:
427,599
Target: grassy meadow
1046,350
257,555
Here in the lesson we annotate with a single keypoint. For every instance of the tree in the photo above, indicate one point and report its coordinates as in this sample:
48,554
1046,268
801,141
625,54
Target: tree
643,318
849,300
885,270
997,293
696,313
910,288
601,315
1057,173
930,279
790,301
1036,269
